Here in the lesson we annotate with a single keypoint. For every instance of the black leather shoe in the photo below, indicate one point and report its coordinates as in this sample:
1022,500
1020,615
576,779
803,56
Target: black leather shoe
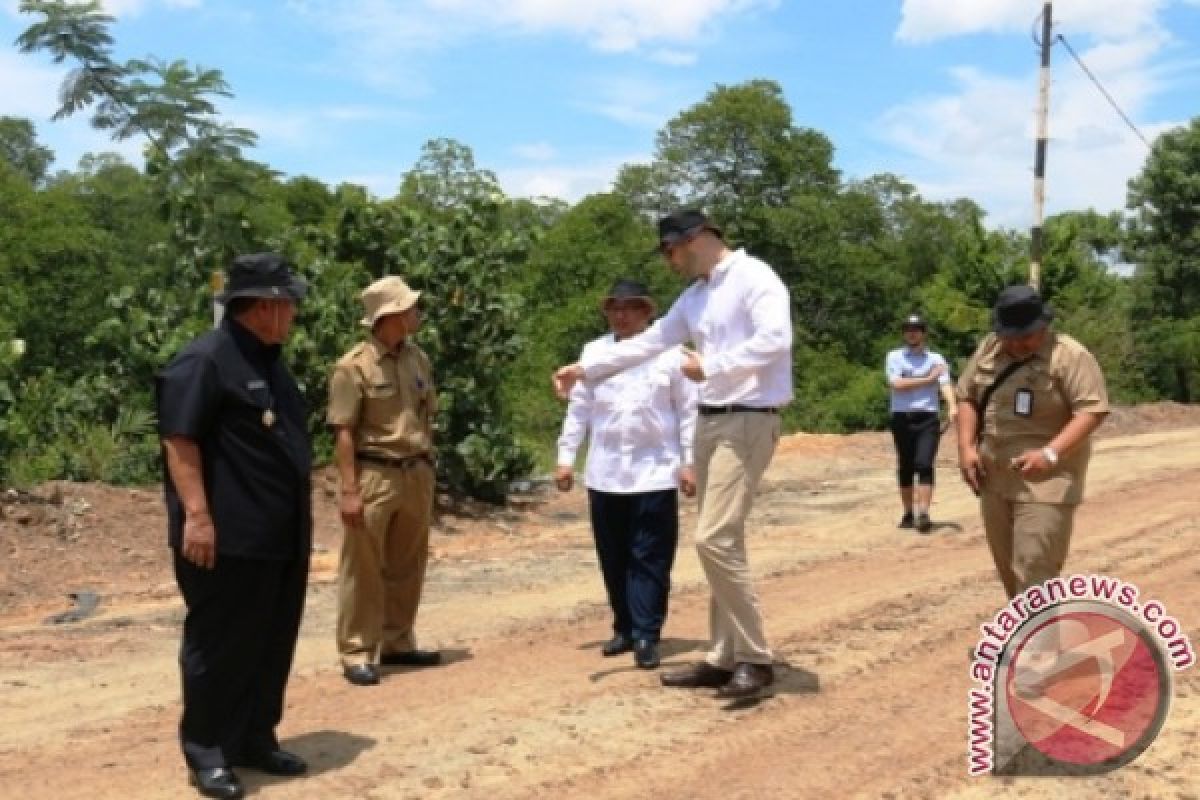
619,643
277,762
645,653
362,674
697,676
412,658
748,680
924,523
906,521
217,782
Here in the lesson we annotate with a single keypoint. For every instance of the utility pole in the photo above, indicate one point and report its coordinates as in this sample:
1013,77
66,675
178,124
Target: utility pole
1039,155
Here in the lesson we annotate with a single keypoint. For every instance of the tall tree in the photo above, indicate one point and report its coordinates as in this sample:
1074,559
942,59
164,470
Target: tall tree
739,148
20,148
1164,239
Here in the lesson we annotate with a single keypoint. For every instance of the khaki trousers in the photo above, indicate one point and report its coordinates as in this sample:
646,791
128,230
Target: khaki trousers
382,567
732,453
1029,541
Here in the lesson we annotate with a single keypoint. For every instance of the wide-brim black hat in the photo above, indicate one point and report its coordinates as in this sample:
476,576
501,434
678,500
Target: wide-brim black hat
267,275
681,225
1020,311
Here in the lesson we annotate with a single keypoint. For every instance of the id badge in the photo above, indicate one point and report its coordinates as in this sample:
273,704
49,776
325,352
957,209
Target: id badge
1023,403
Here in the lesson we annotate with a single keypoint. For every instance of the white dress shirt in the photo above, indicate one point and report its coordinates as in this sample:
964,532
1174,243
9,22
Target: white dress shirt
741,322
641,422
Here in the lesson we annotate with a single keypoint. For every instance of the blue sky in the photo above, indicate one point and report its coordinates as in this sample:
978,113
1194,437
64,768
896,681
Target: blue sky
555,95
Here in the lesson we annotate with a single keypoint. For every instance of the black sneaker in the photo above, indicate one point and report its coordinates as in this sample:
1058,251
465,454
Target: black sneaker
924,523
906,521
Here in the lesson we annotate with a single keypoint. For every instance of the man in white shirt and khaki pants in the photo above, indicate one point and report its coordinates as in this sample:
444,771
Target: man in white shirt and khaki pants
738,314
641,424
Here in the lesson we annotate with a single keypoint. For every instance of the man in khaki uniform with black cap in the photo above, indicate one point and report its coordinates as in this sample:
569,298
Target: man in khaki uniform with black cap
381,407
1028,400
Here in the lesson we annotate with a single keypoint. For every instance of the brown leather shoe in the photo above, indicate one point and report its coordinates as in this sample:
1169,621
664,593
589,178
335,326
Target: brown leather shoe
697,676
748,680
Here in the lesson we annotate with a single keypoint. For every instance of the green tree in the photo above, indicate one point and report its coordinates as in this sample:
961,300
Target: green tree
739,149
1164,240
20,148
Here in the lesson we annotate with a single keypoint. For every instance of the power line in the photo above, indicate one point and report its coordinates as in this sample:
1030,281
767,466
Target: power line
1103,91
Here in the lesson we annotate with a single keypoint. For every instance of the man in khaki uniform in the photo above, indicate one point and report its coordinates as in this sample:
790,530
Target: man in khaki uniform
381,407
1047,395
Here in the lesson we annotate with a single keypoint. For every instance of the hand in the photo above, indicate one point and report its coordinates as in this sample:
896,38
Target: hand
350,506
565,379
693,366
564,478
971,467
200,540
687,481
1031,463
935,373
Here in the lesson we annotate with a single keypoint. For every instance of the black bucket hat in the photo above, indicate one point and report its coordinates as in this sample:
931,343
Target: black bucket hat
626,289
683,225
1020,311
266,275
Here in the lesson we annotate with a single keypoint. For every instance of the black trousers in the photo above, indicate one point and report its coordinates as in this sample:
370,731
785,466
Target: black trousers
636,536
239,636
916,434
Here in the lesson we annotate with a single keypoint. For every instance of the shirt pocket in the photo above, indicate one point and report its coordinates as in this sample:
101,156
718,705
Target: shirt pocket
382,401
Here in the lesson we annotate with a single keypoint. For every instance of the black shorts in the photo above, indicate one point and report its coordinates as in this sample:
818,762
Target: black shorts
916,434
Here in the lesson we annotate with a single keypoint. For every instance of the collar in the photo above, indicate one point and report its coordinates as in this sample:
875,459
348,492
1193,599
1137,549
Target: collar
916,351
723,265
380,351
253,348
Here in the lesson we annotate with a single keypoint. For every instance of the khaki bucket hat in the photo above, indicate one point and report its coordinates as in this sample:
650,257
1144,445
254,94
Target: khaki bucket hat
389,295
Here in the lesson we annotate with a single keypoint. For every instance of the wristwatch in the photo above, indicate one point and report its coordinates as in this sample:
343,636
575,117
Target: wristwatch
1050,456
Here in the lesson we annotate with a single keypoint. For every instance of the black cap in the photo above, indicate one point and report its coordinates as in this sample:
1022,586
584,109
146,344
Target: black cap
263,275
626,289
1019,312
913,321
682,225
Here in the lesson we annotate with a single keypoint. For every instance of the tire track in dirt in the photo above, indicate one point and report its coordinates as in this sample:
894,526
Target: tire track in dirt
503,744
881,621
894,679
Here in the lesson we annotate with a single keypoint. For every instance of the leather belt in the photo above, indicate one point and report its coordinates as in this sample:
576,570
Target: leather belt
388,461
735,408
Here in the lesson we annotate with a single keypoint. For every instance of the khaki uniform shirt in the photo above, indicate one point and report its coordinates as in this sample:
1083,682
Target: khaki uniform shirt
386,397
1029,409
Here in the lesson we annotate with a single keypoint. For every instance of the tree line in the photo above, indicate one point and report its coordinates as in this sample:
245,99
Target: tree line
106,267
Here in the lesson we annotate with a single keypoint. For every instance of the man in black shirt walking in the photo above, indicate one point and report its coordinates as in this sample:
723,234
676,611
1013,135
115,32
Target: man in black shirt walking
237,458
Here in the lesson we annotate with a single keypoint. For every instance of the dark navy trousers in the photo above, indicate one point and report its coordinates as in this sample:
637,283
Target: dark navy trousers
636,536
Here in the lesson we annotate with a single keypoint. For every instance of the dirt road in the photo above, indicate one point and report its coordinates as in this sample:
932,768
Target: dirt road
871,626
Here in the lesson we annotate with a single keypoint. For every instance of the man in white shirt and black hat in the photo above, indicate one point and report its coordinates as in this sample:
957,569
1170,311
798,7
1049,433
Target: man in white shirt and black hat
738,314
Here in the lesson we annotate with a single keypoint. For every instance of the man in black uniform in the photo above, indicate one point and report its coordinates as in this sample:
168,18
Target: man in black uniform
237,457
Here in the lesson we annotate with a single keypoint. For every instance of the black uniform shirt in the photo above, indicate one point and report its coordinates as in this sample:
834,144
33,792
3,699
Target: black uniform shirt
232,395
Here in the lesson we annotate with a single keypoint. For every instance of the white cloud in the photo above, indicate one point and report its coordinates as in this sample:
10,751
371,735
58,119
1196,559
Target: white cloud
536,151
570,182
29,90
378,31
928,20
614,25
977,140
679,58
